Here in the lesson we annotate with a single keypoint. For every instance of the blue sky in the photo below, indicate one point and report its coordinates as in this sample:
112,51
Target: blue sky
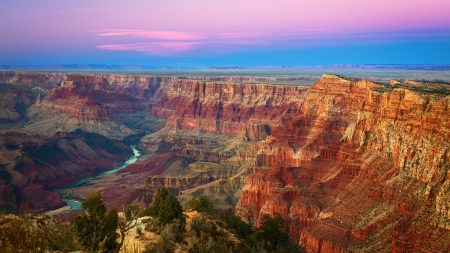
224,33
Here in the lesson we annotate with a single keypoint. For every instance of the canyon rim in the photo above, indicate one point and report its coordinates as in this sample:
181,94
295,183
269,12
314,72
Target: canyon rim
352,165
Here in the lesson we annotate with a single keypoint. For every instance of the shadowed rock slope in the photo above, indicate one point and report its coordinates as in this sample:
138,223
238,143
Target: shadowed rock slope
31,167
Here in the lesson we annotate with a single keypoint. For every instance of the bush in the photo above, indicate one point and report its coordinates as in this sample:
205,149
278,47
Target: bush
169,234
201,225
97,226
152,225
21,234
32,233
236,225
62,237
220,244
202,205
158,200
169,210
166,209
274,232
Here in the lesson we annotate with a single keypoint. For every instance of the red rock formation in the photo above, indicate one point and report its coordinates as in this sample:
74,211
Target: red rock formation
358,161
352,165
225,108
86,82
137,86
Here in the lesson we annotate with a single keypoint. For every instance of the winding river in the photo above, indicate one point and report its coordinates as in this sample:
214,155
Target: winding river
74,203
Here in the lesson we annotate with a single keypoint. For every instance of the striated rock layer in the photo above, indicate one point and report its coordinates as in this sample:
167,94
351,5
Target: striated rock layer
226,108
352,165
86,103
362,168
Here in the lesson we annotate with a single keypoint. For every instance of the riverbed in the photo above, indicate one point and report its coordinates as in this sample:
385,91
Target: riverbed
74,203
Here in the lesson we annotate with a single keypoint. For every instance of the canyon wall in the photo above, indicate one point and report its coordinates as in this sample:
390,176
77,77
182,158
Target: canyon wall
352,165
363,167
226,108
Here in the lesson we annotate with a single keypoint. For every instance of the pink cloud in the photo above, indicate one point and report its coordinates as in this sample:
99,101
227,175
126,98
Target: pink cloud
174,43
151,34
155,48
238,35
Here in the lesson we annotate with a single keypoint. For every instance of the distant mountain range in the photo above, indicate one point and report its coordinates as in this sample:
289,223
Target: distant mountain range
111,67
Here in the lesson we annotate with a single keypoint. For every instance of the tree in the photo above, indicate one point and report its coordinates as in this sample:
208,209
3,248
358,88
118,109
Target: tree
128,221
170,210
274,232
202,205
236,224
158,199
166,209
248,213
96,228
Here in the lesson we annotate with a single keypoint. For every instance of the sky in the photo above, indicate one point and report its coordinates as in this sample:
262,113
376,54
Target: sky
224,32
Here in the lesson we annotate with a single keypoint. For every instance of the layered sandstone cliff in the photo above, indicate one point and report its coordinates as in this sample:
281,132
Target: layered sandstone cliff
86,103
352,165
226,108
362,167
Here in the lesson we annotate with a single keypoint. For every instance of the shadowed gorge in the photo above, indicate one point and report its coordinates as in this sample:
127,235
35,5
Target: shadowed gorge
352,165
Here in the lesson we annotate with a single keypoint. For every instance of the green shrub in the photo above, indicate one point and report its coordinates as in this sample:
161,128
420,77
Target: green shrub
219,244
166,209
202,205
96,229
201,225
236,225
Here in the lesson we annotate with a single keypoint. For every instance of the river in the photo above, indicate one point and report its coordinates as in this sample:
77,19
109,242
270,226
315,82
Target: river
76,204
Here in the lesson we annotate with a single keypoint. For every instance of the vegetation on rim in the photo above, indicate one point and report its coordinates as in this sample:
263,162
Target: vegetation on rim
100,230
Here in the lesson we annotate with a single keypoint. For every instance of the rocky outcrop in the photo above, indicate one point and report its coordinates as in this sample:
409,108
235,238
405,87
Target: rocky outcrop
137,86
87,103
45,81
226,108
357,142
85,82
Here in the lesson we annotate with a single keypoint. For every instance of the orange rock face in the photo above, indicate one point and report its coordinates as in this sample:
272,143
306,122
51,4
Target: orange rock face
226,108
354,165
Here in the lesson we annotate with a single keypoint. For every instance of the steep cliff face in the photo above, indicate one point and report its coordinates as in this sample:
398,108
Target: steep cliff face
87,103
208,122
84,82
45,81
226,108
137,86
356,163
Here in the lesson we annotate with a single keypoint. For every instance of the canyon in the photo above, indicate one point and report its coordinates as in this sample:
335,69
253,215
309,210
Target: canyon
352,165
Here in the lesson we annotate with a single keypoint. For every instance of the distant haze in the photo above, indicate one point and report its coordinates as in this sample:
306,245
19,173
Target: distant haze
224,33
